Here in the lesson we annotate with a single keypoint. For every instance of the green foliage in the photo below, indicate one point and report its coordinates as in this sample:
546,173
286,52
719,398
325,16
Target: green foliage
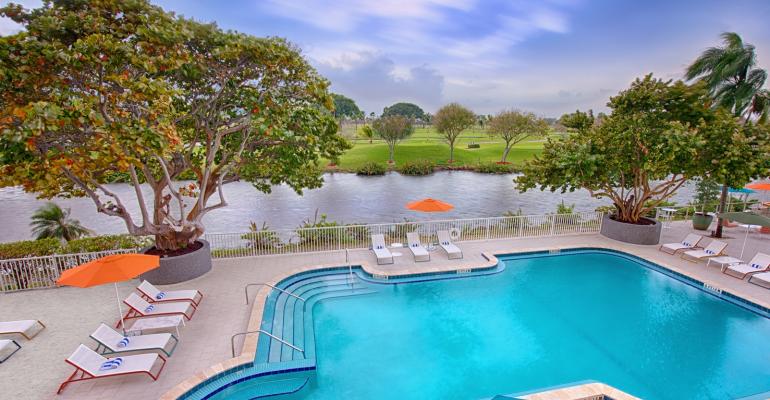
345,107
562,208
578,121
516,126
262,237
494,168
51,221
450,121
393,129
372,168
367,132
106,242
706,193
29,248
408,110
659,135
417,167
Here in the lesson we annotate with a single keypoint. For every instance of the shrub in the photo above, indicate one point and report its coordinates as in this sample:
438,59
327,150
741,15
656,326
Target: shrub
29,248
495,168
262,238
106,242
419,167
474,146
371,169
562,208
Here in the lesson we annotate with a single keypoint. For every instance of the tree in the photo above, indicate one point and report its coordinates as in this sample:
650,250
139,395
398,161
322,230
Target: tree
734,84
108,95
345,107
578,121
516,126
450,121
658,136
51,221
367,133
393,129
408,110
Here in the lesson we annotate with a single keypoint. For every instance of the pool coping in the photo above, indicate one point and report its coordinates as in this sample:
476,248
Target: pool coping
249,349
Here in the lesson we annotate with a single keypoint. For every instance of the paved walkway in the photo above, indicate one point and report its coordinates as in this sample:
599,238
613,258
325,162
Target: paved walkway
71,314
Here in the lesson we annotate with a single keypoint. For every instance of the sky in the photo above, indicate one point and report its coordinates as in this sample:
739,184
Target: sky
548,56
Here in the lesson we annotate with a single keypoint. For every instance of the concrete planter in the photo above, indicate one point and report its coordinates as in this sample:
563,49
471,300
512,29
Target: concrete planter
181,268
701,221
631,233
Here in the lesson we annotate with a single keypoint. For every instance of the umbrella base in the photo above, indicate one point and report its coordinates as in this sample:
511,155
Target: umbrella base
181,268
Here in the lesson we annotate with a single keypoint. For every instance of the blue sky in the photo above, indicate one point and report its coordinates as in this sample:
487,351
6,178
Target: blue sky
547,56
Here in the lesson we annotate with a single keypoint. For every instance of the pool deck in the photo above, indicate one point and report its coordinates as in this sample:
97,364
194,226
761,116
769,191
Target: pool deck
71,314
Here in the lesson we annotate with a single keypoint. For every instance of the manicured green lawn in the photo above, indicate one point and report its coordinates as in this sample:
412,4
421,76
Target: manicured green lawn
426,144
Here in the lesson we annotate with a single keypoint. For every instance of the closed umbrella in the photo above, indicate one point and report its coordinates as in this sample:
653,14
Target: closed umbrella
748,218
111,269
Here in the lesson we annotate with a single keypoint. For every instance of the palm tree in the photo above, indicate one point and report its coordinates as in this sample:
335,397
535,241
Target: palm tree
730,74
51,221
735,84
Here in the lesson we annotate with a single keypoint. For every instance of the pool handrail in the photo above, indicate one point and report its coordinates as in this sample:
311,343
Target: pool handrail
232,340
246,290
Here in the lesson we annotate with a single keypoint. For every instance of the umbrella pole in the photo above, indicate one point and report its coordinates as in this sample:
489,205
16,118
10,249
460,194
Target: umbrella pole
745,238
120,309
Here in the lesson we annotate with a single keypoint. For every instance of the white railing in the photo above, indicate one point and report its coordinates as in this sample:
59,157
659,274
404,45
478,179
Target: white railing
335,238
42,272
671,213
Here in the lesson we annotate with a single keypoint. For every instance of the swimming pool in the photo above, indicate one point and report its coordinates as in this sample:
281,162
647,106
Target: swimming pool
542,320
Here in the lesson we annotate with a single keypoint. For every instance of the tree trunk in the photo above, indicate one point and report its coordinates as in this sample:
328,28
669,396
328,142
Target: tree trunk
451,151
391,147
722,204
505,152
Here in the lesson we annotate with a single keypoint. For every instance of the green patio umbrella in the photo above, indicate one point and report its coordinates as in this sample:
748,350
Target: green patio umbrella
748,218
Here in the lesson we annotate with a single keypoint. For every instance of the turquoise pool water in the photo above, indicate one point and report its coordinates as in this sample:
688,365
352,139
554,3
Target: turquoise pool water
543,321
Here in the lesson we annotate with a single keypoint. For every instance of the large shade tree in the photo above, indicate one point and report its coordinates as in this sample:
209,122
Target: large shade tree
658,136
516,126
734,82
346,108
578,121
408,110
450,121
392,130
94,89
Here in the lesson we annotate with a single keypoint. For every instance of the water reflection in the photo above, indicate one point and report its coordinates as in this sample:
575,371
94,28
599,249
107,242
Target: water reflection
344,197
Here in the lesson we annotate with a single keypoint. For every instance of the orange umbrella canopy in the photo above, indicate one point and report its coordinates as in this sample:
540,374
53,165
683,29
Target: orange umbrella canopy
110,269
759,186
429,205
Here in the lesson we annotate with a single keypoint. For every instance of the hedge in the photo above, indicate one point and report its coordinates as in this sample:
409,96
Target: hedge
49,246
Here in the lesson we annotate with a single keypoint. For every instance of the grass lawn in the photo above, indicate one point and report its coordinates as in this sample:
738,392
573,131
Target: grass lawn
426,144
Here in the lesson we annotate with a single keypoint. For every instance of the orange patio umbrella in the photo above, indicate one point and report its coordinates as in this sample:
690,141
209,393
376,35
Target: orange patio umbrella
759,186
111,269
429,205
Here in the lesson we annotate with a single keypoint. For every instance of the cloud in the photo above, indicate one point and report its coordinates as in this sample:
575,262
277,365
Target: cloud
374,81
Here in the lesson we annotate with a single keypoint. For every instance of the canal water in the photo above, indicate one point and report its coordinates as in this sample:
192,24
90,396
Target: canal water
345,198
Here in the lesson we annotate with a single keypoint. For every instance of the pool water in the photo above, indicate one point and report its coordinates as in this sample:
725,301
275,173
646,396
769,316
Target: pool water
546,320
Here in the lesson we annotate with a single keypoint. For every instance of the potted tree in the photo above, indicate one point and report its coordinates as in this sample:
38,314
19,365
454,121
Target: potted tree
706,193
659,135
182,99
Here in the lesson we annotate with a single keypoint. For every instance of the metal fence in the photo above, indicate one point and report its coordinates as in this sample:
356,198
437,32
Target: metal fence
42,272
303,240
679,213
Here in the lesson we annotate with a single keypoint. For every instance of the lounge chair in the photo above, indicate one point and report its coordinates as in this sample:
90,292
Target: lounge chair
381,250
8,346
714,249
760,279
418,250
153,295
138,307
88,365
760,263
28,328
689,243
112,342
445,242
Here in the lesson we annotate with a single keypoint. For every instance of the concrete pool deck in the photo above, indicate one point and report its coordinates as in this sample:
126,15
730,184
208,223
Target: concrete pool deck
71,314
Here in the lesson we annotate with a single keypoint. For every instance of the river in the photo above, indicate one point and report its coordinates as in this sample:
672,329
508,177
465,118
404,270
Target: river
346,198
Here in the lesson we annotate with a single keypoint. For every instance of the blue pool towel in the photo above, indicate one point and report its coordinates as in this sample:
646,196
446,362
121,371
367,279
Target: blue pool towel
123,342
149,308
756,266
160,296
709,252
111,364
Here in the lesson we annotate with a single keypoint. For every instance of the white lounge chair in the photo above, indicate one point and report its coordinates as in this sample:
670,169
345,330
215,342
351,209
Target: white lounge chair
381,250
760,263
689,243
418,250
28,328
445,242
110,340
138,308
88,364
153,295
760,279
714,249
9,347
